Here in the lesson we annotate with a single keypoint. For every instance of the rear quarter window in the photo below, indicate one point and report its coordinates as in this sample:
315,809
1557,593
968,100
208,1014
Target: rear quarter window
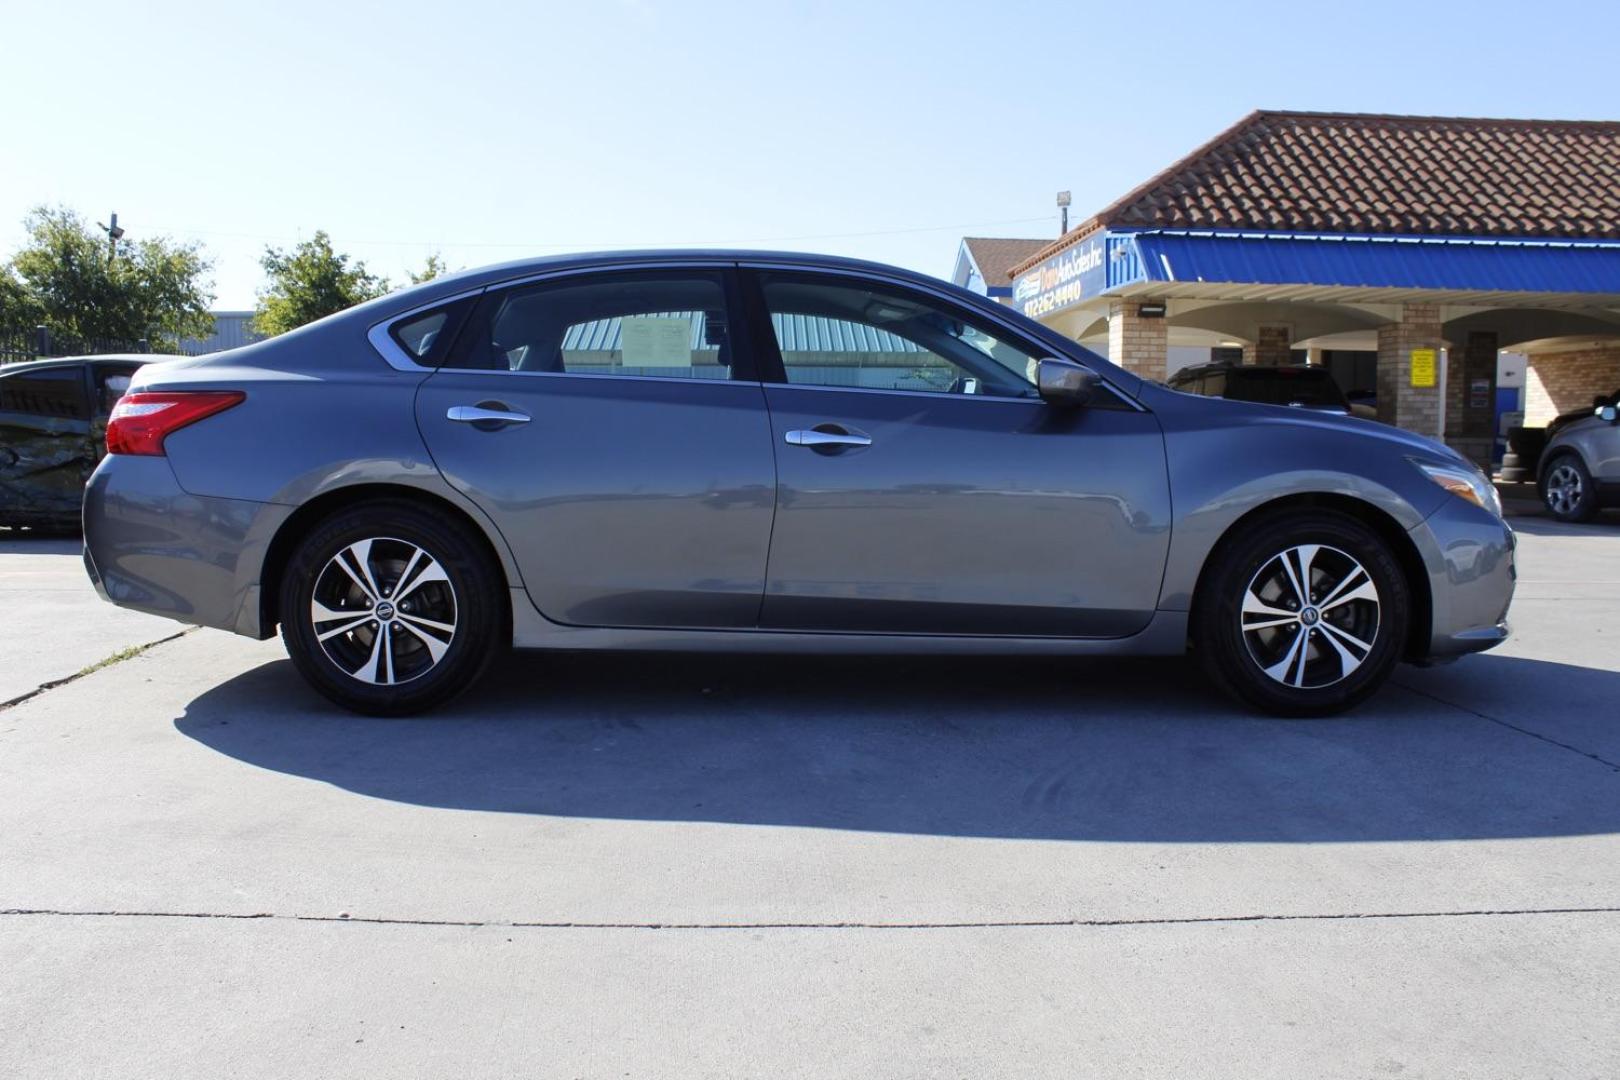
427,336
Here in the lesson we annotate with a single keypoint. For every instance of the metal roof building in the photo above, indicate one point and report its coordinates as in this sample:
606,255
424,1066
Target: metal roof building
1430,243
232,330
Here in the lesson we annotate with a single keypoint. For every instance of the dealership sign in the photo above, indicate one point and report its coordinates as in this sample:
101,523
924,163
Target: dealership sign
1065,279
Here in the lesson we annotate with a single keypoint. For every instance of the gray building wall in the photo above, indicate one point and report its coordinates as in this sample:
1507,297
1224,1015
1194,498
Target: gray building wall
232,330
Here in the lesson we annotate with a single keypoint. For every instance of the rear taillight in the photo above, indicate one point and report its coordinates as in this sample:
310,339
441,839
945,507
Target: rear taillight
140,422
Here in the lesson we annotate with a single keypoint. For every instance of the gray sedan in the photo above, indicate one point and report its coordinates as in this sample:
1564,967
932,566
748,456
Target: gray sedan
745,451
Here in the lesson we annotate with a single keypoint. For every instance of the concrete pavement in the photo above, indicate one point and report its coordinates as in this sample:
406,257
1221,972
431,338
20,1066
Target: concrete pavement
706,866
52,624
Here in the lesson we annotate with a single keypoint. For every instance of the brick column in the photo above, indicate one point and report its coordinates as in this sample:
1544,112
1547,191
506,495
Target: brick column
1273,346
1136,344
1399,402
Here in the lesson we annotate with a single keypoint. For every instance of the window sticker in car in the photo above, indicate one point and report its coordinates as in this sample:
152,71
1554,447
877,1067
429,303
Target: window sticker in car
655,341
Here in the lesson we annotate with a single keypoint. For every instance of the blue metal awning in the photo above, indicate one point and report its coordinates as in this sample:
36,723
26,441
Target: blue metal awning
1449,264
1225,264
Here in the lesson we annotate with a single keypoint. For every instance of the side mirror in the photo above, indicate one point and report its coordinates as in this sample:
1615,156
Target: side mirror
1063,382
1607,414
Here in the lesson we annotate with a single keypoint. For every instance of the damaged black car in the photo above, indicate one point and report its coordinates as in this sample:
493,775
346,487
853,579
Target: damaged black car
53,426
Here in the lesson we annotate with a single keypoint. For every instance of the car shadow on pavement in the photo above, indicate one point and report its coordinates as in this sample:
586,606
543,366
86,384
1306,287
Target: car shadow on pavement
1049,749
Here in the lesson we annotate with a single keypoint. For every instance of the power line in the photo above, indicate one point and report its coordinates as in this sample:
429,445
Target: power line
578,246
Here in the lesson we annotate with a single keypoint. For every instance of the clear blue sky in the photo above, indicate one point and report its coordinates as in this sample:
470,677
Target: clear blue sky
490,131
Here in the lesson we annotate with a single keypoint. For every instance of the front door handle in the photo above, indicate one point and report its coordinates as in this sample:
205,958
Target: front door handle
485,417
828,437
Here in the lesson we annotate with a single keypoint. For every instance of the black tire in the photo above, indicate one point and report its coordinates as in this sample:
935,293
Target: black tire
470,599
1567,489
1528,444
1316,681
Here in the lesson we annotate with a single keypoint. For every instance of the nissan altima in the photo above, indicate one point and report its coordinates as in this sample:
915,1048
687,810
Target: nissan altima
746,451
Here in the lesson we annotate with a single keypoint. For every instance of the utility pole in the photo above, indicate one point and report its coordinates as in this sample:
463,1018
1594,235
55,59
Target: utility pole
1063,203
114,234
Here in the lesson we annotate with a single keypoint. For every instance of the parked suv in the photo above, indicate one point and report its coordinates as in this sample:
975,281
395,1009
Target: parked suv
1580,469
1292,384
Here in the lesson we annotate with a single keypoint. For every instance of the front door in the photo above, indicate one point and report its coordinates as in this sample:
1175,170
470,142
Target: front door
924,487
611,426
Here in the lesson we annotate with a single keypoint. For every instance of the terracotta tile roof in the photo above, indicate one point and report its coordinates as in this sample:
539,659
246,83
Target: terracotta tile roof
1363,173
995,257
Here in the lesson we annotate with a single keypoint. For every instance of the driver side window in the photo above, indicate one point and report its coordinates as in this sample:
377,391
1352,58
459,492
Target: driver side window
864,337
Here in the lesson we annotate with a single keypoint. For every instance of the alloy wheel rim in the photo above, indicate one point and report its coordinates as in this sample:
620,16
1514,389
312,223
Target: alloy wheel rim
1310,616
1564,489
384,611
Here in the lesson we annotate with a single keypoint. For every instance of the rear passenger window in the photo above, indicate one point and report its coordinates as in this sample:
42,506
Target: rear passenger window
55,393
653,325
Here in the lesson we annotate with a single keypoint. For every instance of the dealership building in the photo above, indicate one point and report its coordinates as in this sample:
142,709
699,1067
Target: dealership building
1420,258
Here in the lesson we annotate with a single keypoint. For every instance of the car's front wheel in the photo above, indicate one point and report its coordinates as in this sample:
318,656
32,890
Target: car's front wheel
1567,489
388,609
1302,614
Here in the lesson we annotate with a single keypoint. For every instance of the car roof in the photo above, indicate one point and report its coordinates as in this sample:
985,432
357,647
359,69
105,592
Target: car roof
463,281
98,358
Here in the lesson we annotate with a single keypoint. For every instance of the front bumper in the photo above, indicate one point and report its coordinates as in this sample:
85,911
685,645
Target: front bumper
152,546
1468,555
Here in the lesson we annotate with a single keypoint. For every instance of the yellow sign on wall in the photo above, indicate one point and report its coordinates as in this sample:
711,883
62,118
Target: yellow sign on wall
1423,361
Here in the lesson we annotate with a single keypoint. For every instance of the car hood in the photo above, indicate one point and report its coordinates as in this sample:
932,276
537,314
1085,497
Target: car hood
1575,425
1214,410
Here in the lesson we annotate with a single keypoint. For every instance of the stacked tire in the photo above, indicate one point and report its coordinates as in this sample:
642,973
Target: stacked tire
1524,454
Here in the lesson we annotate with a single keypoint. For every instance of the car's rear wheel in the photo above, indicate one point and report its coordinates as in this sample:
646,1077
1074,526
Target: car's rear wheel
1302,614
388,609
1567,489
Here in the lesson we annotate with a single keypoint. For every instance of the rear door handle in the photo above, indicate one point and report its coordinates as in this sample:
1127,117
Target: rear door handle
485,417
828,436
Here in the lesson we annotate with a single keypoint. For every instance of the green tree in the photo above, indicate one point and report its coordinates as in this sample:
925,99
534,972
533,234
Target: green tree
433,268
309,282
19,310
154,288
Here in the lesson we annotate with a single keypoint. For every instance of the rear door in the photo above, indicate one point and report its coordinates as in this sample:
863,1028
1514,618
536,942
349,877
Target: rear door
45,453
611,425
925,488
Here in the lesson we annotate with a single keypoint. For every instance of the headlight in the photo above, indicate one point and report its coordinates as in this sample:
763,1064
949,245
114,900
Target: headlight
1465,483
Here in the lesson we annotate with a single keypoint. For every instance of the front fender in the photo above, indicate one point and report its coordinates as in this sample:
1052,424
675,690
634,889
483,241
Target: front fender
1230,461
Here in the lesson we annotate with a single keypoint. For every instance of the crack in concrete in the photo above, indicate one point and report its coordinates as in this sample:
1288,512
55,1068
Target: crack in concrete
111,661
1184,920
1511,726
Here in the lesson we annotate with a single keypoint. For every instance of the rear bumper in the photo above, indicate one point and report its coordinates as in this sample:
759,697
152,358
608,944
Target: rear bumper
151,546
1468,555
